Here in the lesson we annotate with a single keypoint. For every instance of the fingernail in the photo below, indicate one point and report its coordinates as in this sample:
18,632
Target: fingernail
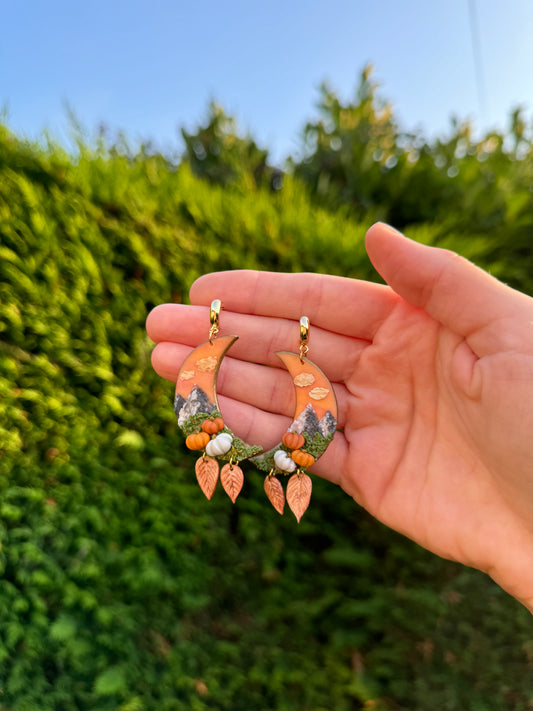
390,228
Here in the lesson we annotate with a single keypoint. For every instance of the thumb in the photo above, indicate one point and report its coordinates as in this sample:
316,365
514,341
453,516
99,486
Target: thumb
452,290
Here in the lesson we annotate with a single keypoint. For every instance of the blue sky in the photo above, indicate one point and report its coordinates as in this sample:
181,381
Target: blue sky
149,68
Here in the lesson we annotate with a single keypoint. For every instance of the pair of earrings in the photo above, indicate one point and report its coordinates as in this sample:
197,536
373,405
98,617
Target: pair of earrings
306,439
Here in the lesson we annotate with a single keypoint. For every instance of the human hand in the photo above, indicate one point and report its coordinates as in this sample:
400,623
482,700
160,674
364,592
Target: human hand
434,380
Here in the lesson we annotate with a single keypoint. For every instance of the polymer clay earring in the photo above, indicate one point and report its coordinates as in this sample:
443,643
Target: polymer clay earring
199,417
307,437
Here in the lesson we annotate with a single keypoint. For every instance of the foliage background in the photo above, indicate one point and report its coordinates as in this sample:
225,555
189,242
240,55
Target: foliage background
121,587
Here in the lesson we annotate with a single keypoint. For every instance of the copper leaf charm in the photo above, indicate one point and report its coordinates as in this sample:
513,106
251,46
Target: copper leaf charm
299,494
274,491
232,480
207,475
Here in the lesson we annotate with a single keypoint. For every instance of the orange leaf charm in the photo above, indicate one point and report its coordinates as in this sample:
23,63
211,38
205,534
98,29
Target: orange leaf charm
207,475
274,491
299,494
232,480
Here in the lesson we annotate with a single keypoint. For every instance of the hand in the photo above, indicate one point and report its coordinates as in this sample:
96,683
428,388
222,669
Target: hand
434,380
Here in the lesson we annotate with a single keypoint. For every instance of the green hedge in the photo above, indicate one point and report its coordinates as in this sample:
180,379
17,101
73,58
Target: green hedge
121,587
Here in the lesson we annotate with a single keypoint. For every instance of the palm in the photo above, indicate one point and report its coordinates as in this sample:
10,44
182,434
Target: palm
411,460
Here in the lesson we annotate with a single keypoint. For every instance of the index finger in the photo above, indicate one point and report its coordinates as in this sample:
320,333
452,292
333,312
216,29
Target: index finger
349,307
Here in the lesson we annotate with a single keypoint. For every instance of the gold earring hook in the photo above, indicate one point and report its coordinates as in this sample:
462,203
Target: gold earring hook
214,316
304,337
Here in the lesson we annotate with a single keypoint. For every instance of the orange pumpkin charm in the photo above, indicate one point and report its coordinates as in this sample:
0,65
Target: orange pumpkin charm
197,441
293,440
210,426
213,426
302,459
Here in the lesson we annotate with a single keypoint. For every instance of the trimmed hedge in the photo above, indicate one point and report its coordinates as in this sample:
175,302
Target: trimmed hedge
121,587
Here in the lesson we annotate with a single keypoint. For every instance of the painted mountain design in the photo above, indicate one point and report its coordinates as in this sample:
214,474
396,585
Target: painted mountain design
197,401
327,425
308,423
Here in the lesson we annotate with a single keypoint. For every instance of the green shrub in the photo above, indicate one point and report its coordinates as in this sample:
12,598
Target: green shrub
121,587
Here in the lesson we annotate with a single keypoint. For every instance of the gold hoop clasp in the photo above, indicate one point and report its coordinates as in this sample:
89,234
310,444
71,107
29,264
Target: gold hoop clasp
214,317
304,337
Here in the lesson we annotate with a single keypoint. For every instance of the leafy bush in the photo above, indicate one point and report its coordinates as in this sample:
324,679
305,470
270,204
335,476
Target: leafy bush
121,586
356,155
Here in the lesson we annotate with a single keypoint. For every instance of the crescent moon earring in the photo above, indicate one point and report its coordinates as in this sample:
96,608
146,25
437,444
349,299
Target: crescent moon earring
307,437
199,417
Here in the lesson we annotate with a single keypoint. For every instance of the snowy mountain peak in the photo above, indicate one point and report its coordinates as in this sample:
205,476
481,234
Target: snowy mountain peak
197,401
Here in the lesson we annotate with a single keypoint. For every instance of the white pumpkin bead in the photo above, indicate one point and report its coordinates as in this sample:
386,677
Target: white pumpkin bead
283,461
219,445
